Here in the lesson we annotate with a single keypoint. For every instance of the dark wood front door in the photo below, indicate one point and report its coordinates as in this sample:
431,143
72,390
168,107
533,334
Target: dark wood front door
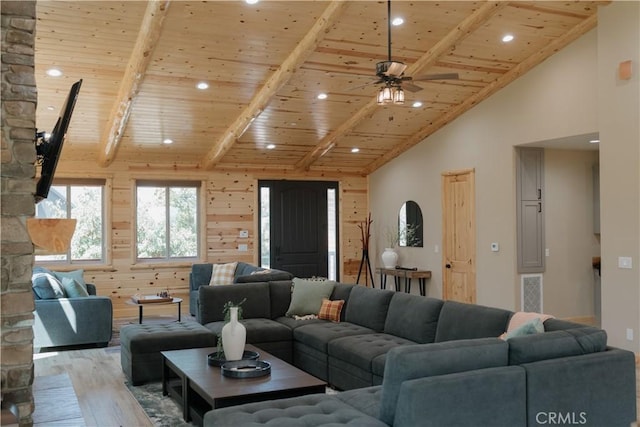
299,226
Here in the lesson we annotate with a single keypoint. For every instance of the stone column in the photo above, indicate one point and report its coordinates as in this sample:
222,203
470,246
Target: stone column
17,204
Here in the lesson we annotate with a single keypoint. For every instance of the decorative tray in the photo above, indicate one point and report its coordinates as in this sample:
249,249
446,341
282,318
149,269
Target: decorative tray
147,299
246,369
214,360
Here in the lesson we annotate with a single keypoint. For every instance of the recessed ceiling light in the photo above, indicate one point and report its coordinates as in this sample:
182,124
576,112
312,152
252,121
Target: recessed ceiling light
54,72
202,85
397,21
322,96
50,108
167,141
251,1
355,150
417,104
594,141
507,38
271,146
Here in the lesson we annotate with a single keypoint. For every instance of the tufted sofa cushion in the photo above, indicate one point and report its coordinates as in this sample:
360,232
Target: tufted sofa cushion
309,411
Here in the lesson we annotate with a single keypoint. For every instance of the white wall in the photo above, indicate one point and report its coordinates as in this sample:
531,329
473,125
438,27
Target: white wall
619,125
556,99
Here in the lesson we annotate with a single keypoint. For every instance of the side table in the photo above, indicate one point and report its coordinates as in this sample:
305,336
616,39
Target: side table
140,306
399,274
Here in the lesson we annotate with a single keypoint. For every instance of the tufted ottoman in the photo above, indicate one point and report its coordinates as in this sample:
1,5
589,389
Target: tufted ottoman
141,346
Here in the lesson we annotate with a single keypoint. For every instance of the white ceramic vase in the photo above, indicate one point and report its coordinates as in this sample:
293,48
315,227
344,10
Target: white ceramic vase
389,258
234,335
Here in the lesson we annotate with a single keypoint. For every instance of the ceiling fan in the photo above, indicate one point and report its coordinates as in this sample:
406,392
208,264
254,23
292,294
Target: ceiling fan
390,74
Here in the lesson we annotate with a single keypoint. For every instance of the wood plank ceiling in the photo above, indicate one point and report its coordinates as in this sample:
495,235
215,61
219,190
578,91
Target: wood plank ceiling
266,63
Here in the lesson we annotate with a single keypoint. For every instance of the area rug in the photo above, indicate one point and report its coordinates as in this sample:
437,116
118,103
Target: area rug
162,410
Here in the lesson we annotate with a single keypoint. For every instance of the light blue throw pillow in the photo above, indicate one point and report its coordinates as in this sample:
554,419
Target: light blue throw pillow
74,289
534,326
77,275
47,286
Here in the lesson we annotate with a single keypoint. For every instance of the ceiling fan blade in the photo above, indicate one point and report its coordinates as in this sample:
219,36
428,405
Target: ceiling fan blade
443,76
411,87
365,85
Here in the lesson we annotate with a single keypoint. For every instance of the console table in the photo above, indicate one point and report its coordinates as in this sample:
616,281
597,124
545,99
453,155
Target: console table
399,274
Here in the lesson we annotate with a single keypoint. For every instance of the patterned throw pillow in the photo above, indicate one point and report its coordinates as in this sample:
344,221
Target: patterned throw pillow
222,274
330,310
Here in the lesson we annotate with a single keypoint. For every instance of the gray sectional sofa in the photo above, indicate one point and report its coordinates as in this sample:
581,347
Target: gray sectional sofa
406,360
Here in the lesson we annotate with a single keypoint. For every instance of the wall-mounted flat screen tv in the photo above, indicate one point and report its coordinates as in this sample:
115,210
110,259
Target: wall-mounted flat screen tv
48,149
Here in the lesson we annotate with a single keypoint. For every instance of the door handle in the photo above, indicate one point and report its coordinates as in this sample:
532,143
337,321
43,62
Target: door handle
448,265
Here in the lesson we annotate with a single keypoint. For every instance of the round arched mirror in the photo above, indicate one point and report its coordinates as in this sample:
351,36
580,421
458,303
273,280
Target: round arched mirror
410,225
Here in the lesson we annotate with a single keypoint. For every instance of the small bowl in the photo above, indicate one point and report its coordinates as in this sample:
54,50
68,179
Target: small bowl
214,360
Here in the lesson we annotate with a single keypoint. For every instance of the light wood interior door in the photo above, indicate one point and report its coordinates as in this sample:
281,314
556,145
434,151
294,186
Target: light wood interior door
459,236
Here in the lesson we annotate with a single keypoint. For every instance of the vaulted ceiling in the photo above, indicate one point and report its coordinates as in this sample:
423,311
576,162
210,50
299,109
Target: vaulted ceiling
265,65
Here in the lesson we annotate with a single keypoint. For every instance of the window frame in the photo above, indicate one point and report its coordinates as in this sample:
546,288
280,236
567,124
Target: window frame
106,185
200,187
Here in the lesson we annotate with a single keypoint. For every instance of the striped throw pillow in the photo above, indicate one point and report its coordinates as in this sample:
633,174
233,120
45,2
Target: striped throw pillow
330,310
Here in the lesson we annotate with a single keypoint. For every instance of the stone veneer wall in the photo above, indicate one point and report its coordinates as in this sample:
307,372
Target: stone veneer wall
19,98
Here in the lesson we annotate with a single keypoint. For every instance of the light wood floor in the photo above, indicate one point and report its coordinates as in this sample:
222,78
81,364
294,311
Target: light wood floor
99,384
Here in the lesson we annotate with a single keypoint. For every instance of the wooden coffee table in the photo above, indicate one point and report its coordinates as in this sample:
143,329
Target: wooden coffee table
199,387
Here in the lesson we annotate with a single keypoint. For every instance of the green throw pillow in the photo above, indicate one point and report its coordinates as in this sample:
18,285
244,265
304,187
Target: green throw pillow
307,296
73,288
534,326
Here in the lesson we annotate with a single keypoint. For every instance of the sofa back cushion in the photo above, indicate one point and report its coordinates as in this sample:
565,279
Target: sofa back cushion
280,294
413,317
460,321
211,301
200,275
342,292
555,344
368,307
262,275
409,362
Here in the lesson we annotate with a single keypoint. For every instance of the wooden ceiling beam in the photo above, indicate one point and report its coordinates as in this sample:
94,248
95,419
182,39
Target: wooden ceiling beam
139,60
276,81
516,72
457,34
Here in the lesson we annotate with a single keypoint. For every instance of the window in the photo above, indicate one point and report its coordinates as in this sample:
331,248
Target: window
82,200
167,220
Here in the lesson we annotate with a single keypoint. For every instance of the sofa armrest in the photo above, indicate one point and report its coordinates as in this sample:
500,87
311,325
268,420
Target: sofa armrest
483,397
596,389
73,321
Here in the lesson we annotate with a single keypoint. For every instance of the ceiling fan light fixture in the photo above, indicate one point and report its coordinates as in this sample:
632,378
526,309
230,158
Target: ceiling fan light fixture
398,96
390,95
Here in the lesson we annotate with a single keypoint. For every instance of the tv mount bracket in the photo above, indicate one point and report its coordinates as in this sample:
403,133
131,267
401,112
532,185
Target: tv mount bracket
42,146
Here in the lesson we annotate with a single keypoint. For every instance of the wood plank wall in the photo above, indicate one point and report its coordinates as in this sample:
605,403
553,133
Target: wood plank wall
230,205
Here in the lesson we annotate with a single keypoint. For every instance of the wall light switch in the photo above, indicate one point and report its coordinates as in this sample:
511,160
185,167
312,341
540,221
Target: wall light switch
546,252
625,262
436,249
629,334
495,247
243,247
244,233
